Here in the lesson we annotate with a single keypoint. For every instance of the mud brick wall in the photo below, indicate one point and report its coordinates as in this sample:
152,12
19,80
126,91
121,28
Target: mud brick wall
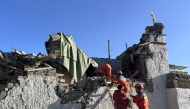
178,80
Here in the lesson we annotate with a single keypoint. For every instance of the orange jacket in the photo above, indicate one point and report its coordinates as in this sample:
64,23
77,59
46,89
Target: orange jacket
105,67
120,99
122,81
141,100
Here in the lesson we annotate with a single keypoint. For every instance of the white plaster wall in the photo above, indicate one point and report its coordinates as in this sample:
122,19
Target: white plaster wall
35,92
157,68
178,98
39,92
172,98
183,98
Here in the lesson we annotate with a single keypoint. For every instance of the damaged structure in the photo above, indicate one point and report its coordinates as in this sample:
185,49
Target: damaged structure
65,78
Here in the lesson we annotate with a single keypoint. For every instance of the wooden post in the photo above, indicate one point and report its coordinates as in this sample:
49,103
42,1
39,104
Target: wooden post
126,45
109,49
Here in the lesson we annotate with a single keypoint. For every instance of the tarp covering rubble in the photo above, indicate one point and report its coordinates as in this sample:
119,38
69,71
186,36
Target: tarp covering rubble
14,63
73,58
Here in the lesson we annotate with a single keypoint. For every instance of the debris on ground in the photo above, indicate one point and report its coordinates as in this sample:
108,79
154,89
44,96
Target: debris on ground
14,63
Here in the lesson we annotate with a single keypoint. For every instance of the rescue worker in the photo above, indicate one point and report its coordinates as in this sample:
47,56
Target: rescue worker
120,98
141,98
107,68
120,79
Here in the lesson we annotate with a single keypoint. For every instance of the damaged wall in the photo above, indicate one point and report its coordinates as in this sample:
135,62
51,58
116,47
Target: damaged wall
157,68
51,89
150,58
178,88
34,92
38,90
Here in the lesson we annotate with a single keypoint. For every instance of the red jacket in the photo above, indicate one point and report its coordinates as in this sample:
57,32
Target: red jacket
122,81
141,100
121,99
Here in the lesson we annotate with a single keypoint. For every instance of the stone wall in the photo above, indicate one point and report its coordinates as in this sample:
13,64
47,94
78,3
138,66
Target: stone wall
157,69
40,89
178,80
34,92
178,98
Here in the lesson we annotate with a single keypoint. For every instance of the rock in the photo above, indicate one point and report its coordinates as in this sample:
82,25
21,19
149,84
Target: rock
3,94
6,89
10,85
16,84
62,80
51,73
59,75
20,78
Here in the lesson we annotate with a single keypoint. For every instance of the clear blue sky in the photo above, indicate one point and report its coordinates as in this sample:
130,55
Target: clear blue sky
26,24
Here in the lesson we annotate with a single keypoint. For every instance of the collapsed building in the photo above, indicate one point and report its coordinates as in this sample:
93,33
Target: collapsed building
65,78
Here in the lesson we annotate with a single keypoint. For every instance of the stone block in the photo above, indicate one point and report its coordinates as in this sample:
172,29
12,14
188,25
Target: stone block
3,94
6,89
16,84
10,85
58,79
62,80
20,78
38,73
51,73
59,75
85,94
29,73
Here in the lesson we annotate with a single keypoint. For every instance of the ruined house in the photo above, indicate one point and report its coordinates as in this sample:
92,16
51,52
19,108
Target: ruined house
64,79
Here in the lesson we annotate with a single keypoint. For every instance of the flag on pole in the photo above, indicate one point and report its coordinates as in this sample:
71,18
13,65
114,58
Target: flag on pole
153,17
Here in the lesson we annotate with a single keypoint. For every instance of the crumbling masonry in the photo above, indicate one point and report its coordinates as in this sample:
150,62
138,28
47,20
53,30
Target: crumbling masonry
41,82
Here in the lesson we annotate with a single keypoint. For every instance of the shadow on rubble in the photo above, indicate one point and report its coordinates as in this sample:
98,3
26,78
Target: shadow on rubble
100,97
80,98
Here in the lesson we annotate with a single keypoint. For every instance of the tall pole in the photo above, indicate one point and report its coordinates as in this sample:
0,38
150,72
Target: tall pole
109,49
126,45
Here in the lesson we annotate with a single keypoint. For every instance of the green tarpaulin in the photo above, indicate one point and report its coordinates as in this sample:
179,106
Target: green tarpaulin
73,58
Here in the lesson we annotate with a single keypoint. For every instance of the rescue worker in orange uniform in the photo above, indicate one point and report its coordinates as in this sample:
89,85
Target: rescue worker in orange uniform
141,98
120,98
120,79
107,68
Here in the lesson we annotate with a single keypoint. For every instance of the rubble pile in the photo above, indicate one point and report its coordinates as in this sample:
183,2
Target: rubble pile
178,80
128,65
80,95
15,63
